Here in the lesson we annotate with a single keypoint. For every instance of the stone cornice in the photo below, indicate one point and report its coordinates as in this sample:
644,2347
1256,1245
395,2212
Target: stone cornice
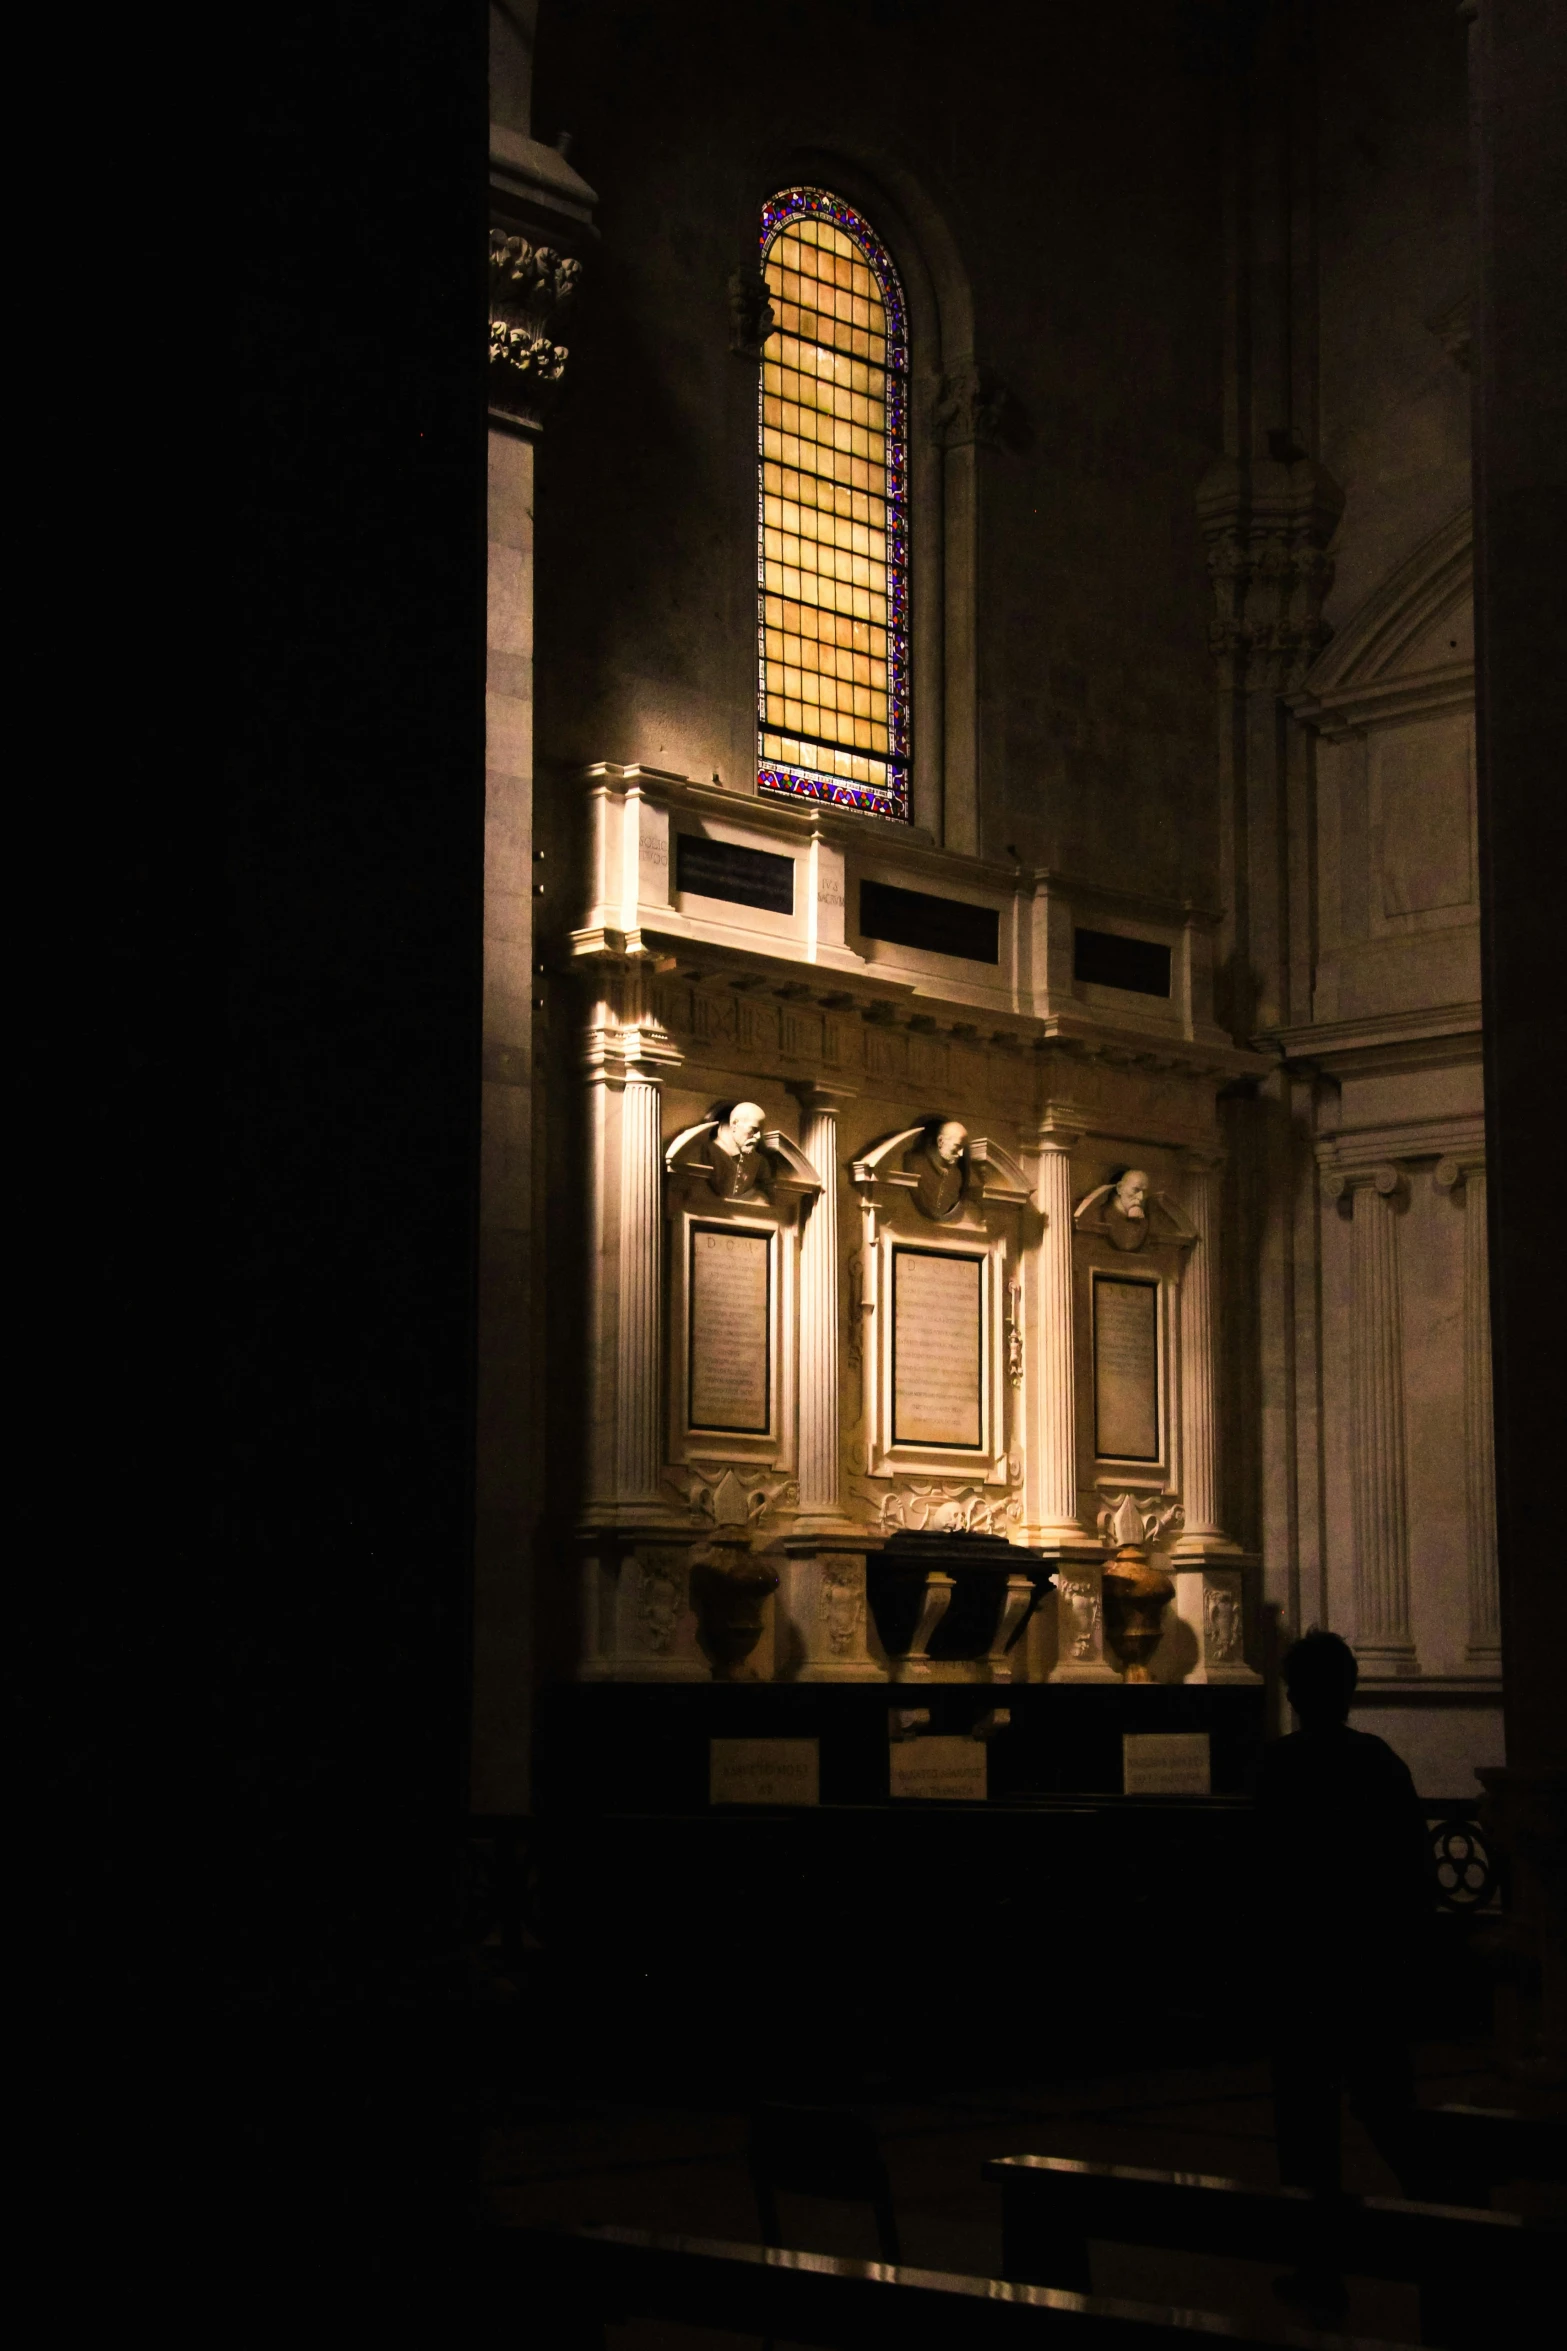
893,1004
1355,1155
911,845
539,186
1448,1033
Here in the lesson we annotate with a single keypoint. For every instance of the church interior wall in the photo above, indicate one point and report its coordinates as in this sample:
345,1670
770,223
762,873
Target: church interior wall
1394,276
1067,284
1085,250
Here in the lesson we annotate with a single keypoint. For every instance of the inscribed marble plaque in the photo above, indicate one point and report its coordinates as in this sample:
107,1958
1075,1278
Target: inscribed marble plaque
730,1279
937,1341
763,1771
1126,1369
949,1769
1165,1763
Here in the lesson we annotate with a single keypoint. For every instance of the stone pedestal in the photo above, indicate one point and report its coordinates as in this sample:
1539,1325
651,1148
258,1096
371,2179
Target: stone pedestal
1210,1604
823,1619
1080,1623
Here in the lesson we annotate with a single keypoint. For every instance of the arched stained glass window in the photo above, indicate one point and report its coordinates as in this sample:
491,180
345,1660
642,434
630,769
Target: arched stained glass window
833,536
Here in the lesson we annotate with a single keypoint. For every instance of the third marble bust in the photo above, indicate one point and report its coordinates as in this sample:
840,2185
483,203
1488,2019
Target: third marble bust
940,1186
739,1161
1126,1210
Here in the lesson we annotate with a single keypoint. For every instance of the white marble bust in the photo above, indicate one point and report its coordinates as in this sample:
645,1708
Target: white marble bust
1126,1210
940,1186
739,1161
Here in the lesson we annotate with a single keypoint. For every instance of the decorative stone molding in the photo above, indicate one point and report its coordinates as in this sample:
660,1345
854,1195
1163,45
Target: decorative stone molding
751,316
938,1507
1126,1516
1266,528
1015,1333
1363,678
970,409
719,1493
661,1596
531,286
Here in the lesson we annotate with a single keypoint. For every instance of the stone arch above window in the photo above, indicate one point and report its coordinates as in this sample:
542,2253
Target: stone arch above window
833,655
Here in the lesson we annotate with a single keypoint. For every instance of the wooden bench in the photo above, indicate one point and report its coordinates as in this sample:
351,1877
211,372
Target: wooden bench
563,2287
1469,2265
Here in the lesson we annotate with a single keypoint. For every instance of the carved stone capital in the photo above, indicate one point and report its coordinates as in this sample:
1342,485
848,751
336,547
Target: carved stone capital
1266,526
1383,1177
1452,1171
531,288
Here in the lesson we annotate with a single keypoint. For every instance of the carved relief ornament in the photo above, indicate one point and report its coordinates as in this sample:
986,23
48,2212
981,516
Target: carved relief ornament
723,1494
936,1506
1266,526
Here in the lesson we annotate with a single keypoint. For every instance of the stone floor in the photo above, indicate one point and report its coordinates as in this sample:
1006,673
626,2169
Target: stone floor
682,2168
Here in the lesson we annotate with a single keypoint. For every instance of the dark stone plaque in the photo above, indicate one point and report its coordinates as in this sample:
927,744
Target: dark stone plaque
746,877
1106,960
942,926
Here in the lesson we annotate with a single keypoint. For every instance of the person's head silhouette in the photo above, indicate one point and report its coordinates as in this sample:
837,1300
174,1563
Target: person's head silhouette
1320,1674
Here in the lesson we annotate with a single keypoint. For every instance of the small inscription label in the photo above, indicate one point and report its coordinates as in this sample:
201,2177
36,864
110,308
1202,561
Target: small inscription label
763,1771
1126,1369
1165,1763
937,1340
953,1770
730,1283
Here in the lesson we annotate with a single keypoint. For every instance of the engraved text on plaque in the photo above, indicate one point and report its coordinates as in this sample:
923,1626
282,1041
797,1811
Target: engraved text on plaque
730,1283
937,1349
1126,1369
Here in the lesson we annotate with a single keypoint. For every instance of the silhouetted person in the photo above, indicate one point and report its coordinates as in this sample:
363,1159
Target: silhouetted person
1344,1850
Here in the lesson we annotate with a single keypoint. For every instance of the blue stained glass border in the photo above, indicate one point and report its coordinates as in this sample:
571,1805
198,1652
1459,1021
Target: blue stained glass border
803,783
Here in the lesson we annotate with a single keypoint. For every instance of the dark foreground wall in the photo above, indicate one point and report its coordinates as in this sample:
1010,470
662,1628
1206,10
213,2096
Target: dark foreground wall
341,1567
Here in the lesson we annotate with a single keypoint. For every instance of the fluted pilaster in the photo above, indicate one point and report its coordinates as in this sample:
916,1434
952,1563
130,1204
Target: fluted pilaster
820,1307
1381,1516
637,1383
1203,1533
627,1053
1467,1183
1054,1367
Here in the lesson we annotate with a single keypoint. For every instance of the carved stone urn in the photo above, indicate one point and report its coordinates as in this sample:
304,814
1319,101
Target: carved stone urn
1136,1595
729,1589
